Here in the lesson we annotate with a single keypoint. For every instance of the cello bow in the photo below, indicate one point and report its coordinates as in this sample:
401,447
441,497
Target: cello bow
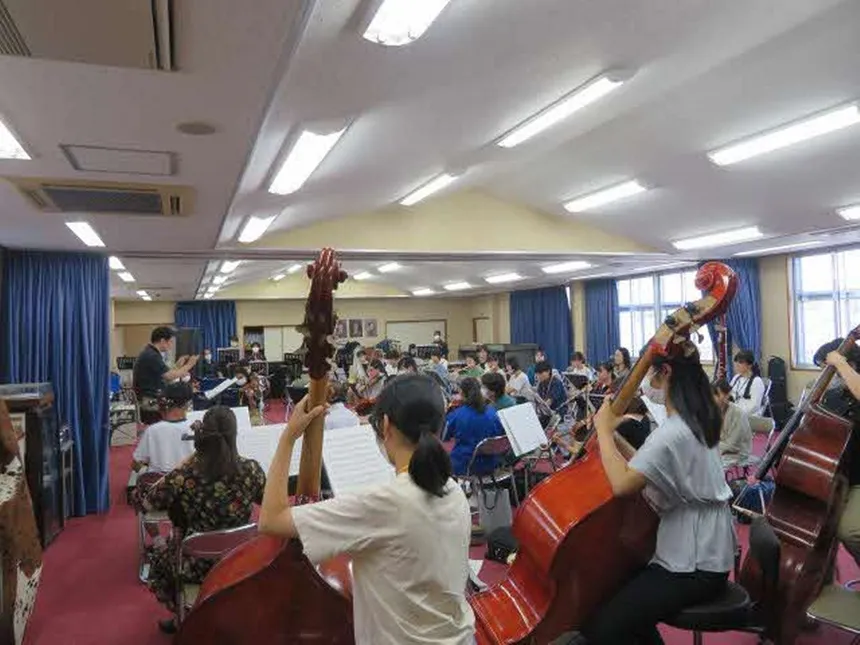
266,590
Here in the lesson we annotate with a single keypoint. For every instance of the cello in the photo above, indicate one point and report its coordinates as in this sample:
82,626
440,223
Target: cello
805,508
266,590
578,543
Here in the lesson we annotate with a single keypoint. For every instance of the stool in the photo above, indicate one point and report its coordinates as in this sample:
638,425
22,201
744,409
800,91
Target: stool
728,612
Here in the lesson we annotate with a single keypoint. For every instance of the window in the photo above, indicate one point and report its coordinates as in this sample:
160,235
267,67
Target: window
645,301
826,300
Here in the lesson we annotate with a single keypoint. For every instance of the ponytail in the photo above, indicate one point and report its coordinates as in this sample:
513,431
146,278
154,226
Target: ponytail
430,466
215,443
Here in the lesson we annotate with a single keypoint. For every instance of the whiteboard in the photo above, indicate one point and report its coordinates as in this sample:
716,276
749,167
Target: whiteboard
418,332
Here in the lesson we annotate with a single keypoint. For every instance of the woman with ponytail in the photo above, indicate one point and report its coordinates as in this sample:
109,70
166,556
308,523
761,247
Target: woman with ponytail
679,469
408,538
213,489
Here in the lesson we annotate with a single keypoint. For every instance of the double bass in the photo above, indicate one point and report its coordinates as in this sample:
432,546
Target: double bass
804,511
578,543
266,591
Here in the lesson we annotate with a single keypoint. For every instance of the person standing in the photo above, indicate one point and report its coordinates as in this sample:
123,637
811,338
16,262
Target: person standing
151,372
162,446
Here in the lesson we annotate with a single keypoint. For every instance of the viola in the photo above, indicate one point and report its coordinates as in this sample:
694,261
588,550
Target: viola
266,591
805,508
577,542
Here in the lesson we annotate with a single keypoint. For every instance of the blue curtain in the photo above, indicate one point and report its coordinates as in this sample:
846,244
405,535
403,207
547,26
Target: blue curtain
602,333
56,327
542,316
216,321
743,318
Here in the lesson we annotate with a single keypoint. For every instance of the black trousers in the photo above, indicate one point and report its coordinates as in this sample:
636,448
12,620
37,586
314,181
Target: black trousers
653,595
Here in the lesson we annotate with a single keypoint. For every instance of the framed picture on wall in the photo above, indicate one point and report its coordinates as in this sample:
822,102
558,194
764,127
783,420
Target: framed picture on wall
371,330
340,330
356,328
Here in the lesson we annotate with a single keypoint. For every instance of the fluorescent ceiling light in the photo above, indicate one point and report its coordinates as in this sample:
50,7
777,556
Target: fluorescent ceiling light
399,22
364,275
719,239
433,186
208,296
229,266
785,136
125,276
566,267
578,99
86,233
774,249
423,291
294,268
141,292
213,289
388,268
503,277
115,263
851,213
220,279
279,277
147,297
605,196
306,154
457,286
255,228
10,147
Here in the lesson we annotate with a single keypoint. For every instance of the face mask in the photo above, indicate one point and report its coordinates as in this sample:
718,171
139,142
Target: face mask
241,381
256,350
207,357
655,395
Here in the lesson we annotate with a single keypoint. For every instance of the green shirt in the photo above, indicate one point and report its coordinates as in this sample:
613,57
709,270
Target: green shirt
474,372
504,401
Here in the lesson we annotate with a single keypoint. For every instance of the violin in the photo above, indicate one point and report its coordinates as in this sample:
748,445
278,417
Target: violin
266,590
578,543
804,511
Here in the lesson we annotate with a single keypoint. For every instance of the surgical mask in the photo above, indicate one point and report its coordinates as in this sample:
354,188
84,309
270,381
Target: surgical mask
241,381
255,349
654,394
207,357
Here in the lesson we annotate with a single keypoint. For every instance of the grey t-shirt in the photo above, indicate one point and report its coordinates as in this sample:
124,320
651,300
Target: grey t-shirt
687,488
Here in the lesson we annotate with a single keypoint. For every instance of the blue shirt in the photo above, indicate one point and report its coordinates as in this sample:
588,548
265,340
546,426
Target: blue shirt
555,392
469,427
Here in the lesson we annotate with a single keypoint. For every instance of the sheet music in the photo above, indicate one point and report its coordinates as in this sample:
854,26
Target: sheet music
261,442
243,418
353,460
523,428
215,391
656,410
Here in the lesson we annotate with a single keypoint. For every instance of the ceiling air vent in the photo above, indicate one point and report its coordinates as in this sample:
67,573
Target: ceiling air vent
58,196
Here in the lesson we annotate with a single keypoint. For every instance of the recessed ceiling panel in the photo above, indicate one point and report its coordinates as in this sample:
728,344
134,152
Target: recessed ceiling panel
121,160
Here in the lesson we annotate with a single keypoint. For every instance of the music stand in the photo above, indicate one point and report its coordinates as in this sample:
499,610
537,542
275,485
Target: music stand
227,355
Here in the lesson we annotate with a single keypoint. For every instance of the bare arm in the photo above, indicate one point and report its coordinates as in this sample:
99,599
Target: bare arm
623,479
180,371
851,378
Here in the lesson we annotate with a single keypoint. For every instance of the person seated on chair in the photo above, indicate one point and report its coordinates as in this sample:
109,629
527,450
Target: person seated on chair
162,446
747,384
472,369
407,365
207,368
621,363
256,352
468,425
736,434
211,490
540,357
338,415
518,385
392,358
679,469
481,357
634,427
370,387
578,366
605,383
494,391
408,539
493,366
550,389
436,364
250,393
357,371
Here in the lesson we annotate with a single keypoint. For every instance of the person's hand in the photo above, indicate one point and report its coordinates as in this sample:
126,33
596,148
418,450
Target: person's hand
302,417
181,361
605,421
836,359
191,361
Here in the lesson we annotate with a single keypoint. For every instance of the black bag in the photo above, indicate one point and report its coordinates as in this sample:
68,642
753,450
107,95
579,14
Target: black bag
780,407
500,544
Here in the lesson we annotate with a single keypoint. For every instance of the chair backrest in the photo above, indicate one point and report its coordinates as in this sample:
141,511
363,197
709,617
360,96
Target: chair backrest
500,445
765,398
213,545
761,425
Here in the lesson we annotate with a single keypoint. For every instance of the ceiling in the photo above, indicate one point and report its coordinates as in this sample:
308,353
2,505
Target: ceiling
704,74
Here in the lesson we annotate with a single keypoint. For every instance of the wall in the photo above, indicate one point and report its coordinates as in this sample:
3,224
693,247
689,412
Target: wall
497,308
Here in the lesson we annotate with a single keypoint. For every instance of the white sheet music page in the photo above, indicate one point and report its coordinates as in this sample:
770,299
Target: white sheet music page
353,460
243,418
261,442
523,428
215,391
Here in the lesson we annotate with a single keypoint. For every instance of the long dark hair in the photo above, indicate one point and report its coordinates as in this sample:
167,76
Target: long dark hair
472,396
415,406
215,443
691,395
625,356
746,356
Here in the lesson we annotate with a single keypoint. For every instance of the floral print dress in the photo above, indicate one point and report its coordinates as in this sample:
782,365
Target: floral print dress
196,503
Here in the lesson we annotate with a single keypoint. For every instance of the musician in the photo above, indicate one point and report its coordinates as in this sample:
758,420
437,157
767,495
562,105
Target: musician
250,393
472,369
338,415
407,365
736,434
747,384
605,382
161,447
550,388
370,387
468,425
443,346
212,489
578,366
482,357
518,383
621,363
408,539
256,352
151,372
848,530
634,427
680,471
357,371
540,357
493,366
392,359
207,367
494,391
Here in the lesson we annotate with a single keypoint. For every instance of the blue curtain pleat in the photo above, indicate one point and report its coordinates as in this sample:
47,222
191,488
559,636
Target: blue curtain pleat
602,331
215,320
743,317
56,328
542,316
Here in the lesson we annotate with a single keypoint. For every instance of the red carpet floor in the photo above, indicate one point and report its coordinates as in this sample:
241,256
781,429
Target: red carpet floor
90,594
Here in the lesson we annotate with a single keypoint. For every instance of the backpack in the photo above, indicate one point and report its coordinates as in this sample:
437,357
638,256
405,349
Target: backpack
780,407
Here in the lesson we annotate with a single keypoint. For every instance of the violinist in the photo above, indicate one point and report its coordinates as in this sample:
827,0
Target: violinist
679,469
518,383
469,424
408,539
604,384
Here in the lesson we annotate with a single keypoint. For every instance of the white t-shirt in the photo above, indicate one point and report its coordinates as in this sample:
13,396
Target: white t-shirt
162,447
340,416
518,385
410,560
